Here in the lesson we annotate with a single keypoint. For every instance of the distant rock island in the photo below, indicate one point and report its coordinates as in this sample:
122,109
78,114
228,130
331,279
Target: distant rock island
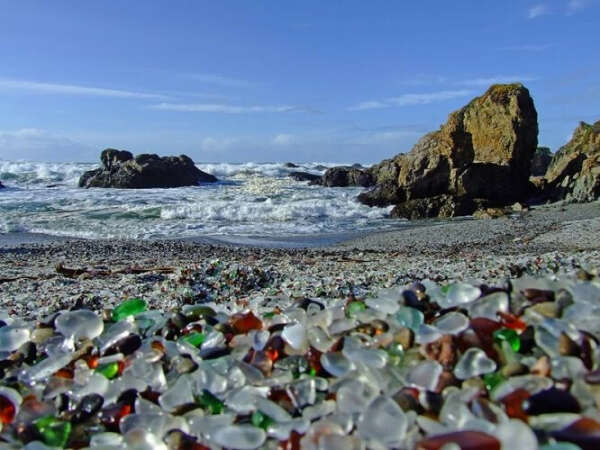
120,169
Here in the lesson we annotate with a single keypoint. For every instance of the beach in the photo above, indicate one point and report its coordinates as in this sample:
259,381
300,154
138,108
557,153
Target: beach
169,273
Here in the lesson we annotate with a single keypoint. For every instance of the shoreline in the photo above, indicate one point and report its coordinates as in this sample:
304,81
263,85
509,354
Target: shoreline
169,273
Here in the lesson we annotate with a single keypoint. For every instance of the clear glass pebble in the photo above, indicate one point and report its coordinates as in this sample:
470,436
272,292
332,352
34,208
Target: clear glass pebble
452,323
242,437
425,375
79,324
383,421
472,363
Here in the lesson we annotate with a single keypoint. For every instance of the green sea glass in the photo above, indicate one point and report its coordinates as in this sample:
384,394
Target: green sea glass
354,308
508,335
54,432
109,370
128,308
196,339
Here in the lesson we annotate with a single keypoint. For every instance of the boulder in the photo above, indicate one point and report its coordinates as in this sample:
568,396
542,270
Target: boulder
574,173
482,153
1,185
305,176
343,176
120,169
290,165
540,161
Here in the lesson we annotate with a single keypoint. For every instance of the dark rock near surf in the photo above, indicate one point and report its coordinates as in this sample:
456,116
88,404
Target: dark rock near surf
1,185
305,176
347,176
480,157
540,161
290,165
120,169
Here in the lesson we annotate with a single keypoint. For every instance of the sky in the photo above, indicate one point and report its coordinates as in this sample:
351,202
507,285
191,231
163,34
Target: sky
236,81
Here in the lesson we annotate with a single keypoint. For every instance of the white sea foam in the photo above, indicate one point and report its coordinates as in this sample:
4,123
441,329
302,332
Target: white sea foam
252,199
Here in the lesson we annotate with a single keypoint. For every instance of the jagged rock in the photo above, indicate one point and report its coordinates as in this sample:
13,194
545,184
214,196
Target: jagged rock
483,151
437,206
574,173
347,176
540,161
305,176
121,170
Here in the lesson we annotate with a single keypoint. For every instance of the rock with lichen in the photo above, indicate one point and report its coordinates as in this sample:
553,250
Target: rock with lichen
574,173
481,154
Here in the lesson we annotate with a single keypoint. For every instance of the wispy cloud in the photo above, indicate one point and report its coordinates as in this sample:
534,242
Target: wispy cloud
224,108
71,89
423,79
497,79
526,47
538,10
220,80
411,99
575,5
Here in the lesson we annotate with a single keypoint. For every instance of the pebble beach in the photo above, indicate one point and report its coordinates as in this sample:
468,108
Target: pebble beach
439,334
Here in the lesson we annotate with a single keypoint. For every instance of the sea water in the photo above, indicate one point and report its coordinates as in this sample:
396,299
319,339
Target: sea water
250,199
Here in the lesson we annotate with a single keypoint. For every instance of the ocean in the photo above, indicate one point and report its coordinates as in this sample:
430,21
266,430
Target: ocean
250,201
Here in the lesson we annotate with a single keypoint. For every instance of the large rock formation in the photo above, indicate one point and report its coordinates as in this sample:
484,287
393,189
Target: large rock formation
121,170
305,176
574,173
480,157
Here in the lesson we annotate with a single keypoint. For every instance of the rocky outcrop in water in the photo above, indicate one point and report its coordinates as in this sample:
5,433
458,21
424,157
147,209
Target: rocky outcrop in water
305,176
480,157
574,173
1,185
120,169
343,176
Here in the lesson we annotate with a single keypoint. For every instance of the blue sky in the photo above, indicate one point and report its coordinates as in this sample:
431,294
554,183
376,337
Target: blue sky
237,81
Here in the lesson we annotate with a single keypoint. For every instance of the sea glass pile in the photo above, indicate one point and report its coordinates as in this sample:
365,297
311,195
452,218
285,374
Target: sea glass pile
426,366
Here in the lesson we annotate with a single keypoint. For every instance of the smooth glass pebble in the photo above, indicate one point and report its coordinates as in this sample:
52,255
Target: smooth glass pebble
106,440
242,437
461,440
460,294
384,421
10,401
425,375
79,324
409,317
427,334
353,395
195,339
472,363
489,305
178,394
516,435
295,336
12,337
54,432
109,370
384,305
336,363
138,439
508,335
491,380
45,367
355,307
452,323
128,308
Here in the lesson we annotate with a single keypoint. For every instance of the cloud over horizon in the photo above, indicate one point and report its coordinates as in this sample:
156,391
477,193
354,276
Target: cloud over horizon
224,108
71,89
411,99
